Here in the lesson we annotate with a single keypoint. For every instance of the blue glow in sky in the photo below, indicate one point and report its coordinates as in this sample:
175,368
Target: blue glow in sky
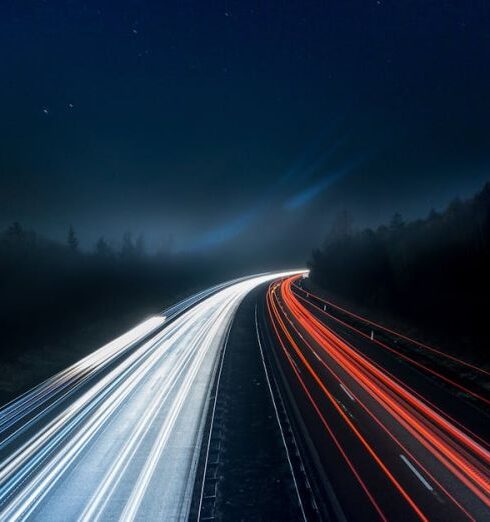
305,196
174,119
225,232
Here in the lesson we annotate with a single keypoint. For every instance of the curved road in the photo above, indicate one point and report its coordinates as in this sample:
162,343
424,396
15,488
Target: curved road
117,435
379,427
376,417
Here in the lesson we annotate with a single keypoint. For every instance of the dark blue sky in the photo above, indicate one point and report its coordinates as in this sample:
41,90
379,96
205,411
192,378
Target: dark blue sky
232,121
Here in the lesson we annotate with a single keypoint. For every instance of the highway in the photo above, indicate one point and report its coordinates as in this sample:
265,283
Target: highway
385,434
118,434
376,426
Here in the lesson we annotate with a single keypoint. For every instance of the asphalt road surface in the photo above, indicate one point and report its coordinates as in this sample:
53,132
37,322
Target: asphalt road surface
117,435
377,438
370,425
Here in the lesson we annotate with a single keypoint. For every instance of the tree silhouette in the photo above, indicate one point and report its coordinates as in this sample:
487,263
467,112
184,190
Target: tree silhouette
72,239
102,249
341,226
140,246
420,270
15,232
128,249
396,222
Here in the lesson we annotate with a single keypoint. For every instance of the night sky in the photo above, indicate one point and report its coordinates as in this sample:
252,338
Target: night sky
205,124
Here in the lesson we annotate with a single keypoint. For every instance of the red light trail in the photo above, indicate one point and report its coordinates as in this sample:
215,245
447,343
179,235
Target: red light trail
399,419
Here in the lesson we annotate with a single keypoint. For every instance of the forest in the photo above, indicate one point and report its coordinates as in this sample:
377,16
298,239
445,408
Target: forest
60,302
429,273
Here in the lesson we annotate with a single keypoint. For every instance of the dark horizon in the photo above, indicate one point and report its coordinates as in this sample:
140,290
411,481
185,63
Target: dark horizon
244,249
238,127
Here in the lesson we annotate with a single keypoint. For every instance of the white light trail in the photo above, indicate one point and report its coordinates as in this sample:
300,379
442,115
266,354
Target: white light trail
113,419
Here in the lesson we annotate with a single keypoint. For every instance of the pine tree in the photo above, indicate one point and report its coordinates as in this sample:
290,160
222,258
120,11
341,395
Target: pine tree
72,239
397,222
127,248
102,248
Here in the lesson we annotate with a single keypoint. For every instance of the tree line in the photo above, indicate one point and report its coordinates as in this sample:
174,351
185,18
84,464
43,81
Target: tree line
432,272
52,290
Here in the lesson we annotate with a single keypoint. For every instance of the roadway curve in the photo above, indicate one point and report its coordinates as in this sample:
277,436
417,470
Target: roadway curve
117,435
379,438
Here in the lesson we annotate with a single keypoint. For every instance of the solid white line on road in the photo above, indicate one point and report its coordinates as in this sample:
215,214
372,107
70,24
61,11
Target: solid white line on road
351,397
317,356
277,416
416,473
32,470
